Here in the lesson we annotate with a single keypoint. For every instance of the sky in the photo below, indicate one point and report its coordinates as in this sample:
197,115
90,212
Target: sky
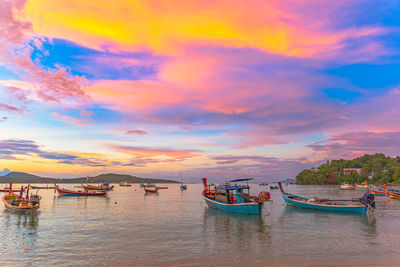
189,89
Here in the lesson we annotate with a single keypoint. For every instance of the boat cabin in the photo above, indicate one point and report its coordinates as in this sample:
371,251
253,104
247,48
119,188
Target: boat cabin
232,193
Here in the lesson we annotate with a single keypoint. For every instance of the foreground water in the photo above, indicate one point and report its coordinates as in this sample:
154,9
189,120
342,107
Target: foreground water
175,228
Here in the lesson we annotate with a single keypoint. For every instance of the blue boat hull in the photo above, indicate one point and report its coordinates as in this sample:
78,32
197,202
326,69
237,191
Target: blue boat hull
323,207
242,208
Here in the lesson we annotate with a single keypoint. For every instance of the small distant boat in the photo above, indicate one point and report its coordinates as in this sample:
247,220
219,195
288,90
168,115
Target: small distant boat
347,186
234,198
19,204
272,187
360,206
67,192
9,190
183,187
147,185
124,184
102,187
42,187
262,184
162,187
382,192
151,190
13,189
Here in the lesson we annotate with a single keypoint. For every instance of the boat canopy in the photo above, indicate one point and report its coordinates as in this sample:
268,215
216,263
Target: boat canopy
241,180
231,187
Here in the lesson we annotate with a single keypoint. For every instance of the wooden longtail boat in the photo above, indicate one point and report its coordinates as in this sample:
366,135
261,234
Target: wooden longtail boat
13,189
151,190
347,186
8,190
42,187
67,192
147,185
102,187
234,198
360,205
375,191
392,193
19,204
124,184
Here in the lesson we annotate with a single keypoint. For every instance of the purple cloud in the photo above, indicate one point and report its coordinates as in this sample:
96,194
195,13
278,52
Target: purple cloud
138,132
350,145
11,109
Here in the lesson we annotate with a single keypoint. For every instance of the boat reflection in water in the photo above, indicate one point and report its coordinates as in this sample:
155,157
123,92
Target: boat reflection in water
232,229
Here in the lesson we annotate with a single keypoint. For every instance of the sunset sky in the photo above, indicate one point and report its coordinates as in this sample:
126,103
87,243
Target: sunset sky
191,89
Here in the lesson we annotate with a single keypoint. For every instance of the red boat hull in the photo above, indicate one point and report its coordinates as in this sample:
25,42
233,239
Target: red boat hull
101,188
67,192
152,191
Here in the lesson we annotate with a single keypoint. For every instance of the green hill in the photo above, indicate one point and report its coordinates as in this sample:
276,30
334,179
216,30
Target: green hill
22,177
378,169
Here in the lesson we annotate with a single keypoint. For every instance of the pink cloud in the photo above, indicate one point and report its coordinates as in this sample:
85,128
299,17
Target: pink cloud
18,93
50,85
353,144
11,109
12,29
3,119
87,113
68,119
138,132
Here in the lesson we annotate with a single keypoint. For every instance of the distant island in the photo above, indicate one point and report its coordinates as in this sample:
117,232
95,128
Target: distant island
378,169
112,178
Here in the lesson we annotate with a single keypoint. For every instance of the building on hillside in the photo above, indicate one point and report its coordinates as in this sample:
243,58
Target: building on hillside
350,171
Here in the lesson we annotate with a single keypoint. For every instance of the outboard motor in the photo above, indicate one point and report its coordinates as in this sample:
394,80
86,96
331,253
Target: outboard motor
368,199
35,199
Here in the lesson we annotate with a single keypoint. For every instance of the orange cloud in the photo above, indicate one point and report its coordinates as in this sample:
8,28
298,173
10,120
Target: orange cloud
168,26
156,151
68,119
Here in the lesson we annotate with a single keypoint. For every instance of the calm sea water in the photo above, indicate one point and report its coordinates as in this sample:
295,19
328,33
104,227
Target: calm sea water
175,228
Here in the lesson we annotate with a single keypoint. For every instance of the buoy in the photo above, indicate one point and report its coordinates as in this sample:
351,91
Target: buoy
115,202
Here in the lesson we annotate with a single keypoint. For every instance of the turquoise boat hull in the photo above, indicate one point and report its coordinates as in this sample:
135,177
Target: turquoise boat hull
358,208
242,208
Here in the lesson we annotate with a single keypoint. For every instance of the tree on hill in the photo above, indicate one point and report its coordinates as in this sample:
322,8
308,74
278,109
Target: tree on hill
382,168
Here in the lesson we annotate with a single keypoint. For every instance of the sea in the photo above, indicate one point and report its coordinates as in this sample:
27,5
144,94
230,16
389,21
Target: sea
176,228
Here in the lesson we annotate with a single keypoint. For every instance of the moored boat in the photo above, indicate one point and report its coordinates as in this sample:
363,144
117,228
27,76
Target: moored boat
347,186
151,190
392,193
355,205
234,198
124,184
67,192
102,187
375,191
13,189
19,204
42,187
8,190
147,185
183,187
272,187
